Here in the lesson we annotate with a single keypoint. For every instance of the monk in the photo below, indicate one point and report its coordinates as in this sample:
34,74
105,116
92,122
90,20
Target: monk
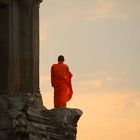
61,82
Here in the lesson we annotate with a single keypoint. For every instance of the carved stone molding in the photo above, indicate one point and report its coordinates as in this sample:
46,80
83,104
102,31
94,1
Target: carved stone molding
31,2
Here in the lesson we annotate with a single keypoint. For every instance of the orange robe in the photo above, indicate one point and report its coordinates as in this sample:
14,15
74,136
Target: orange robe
61,82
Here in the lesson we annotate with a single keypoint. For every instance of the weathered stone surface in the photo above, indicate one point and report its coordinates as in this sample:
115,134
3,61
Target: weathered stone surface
19,46
21,120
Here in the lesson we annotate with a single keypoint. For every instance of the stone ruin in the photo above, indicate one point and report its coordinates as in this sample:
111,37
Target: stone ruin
22,114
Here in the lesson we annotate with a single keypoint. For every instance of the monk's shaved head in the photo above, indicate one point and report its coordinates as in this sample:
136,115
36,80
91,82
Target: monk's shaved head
61,58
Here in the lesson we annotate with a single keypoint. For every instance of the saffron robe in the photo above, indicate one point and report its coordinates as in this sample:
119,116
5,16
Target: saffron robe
61,82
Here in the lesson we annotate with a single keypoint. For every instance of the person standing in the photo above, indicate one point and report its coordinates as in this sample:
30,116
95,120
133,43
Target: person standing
61,82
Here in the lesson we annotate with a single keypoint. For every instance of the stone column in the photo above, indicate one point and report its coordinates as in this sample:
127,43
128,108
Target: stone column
19,49
29,45
4,46
14,47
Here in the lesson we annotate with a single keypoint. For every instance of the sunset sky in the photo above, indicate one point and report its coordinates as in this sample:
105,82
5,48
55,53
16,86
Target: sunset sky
100,40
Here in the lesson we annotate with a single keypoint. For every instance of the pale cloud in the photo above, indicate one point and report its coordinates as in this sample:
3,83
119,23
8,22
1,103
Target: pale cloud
99,82
105,10
93,83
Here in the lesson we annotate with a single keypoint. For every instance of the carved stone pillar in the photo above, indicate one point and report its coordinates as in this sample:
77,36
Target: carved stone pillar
19,49
29,45
4,46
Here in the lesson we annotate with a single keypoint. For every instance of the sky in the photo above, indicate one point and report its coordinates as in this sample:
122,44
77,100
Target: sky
100,40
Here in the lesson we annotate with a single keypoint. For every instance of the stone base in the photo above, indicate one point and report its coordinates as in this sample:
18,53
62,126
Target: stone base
23,117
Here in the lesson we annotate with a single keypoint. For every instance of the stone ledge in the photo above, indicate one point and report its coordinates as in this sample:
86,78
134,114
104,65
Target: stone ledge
23,121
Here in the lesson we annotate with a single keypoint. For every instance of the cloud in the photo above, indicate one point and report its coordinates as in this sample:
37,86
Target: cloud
97,83
105,10
105,81
93,83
